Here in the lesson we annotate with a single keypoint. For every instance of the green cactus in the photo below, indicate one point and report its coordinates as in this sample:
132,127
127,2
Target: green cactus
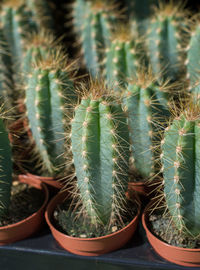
192,61
93,22
122,57
180,167
146,104
5,168
165,41
48,90
100,150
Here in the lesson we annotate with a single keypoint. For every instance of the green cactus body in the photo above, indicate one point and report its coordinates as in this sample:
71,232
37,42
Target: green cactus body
47,88
180,159
121,62
165,42
146,108
94,29
100,152
16,23
5,170
193,60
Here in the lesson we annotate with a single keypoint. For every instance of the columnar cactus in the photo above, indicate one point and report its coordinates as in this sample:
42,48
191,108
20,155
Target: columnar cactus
100,150
146,105
48,92
92,24
5,168
181,163
122,57
165,40
192,61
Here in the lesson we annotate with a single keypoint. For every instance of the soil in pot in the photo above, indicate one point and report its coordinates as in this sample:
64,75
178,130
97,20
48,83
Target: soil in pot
25,200
71,223
162,227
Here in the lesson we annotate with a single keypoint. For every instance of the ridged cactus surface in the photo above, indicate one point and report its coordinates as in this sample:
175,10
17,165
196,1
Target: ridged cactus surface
48,90
100,152
146,105
165,41
181,164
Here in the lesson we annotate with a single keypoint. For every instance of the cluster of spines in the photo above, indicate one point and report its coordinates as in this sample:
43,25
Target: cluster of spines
100,150
165,40
93,25
180,166
146,105
5,168
48,92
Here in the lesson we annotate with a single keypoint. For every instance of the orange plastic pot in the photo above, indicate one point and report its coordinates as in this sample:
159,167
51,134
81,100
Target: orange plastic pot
50,181
89,246
182,256
28,226
140,187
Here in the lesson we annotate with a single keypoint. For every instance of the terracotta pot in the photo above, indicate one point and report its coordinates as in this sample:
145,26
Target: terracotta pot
182,256
28,226
140,187
89,246
44,179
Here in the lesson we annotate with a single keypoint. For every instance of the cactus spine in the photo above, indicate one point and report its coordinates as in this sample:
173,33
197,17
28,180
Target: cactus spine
180,160
100,145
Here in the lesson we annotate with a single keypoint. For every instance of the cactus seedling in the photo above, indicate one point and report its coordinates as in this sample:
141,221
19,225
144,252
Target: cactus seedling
100,150
165,40
146,104
48,90
93,27
180,166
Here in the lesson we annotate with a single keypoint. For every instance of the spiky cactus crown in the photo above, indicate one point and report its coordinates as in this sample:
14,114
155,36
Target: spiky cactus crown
100,150
180,168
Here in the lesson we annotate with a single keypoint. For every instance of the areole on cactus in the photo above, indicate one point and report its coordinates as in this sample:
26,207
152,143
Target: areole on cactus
100,147
180,167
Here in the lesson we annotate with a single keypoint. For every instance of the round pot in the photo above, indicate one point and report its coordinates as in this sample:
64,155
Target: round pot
50,181
182,256
89,246
140,187
28,226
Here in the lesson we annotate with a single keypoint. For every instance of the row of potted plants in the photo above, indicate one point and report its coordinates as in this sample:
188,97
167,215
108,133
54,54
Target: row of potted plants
129,119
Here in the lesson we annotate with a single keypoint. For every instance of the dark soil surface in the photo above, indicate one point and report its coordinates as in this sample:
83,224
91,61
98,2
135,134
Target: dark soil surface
25,200
71,223
163,228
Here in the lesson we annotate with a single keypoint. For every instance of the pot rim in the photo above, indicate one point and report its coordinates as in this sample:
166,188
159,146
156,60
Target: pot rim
46,198
145,214
49,215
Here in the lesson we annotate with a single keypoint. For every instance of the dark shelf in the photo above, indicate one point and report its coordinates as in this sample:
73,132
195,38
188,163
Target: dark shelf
41,252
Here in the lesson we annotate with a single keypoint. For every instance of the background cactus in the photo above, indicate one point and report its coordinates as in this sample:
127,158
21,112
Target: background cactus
165,40
180,160
100,150
5,167
146,104
93,21
122,57
48,93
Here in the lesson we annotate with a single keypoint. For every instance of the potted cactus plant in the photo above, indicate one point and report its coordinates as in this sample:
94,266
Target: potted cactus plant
178,241
16,222
100,148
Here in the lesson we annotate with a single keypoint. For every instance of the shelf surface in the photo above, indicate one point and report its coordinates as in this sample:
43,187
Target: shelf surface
41,252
